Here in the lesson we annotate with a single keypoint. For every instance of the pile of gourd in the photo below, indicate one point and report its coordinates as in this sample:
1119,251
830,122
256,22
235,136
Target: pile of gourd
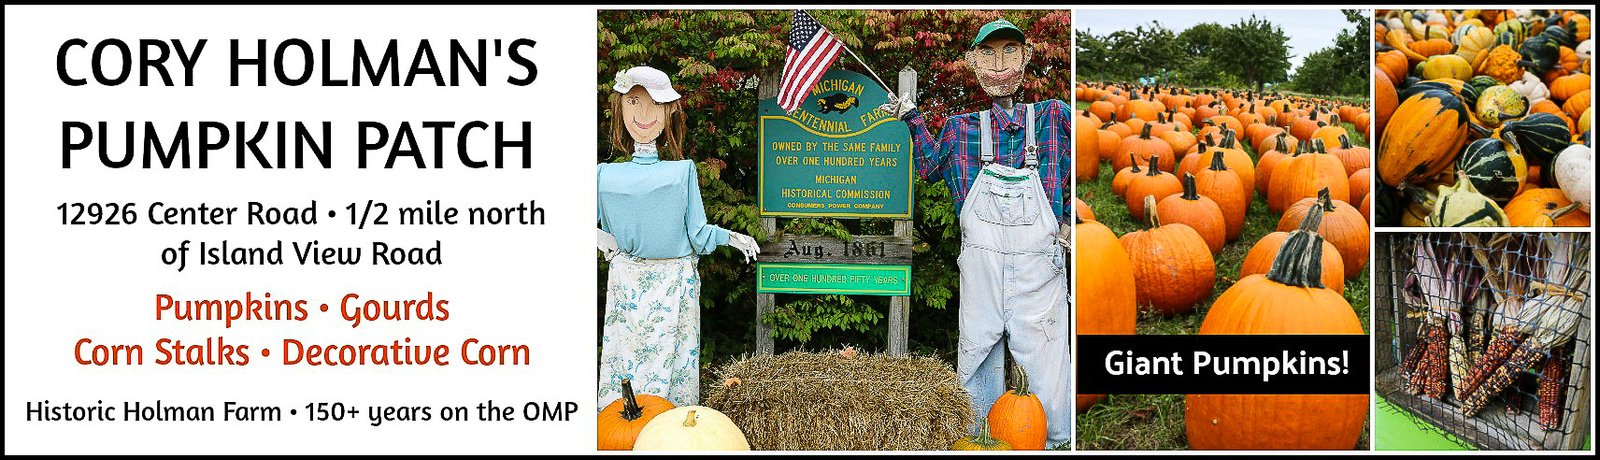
1182,167
1483,118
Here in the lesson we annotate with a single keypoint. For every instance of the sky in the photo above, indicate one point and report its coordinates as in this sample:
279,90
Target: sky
1308,29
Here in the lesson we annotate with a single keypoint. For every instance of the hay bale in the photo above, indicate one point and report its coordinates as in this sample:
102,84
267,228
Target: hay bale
829,401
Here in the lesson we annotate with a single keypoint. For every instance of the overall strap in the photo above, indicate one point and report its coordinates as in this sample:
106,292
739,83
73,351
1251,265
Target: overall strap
985,139
1032,148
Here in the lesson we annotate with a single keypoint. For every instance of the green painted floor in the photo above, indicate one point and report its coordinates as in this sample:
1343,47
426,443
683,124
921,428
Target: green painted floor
1394,431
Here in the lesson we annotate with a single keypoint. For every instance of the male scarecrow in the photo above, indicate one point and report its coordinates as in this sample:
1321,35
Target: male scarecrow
1006,168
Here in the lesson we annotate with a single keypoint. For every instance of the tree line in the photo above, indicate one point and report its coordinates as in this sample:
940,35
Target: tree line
1251,53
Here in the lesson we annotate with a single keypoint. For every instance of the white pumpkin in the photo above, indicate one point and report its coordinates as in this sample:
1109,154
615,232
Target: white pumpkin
1584,51
1575,173
1530,87
691,428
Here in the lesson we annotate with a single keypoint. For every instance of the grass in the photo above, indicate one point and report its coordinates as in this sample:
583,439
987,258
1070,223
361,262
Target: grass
1155,421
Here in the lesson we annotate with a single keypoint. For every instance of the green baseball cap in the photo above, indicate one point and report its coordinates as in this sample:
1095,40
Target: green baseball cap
998,26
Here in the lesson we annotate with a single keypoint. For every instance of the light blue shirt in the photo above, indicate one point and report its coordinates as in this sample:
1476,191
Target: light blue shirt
653,207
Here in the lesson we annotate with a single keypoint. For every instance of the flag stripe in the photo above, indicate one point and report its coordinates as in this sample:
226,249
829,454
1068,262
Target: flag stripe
808,72
812,50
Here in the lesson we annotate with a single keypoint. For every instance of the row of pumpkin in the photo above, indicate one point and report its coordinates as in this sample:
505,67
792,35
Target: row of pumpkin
1483,118
1182,169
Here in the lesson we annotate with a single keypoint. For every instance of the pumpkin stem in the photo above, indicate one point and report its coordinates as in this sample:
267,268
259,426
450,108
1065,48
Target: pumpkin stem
1150,211
1319,146
1155,166
1190,192
1325,199
1216,160
1022,378
1299,260
1344,141
689,420
1227,139
1135,161
630,404
1144,133
1561,212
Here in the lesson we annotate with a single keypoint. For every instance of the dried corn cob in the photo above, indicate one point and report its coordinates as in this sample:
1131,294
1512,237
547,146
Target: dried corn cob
1552,388
1524,357
1492,359
1435,364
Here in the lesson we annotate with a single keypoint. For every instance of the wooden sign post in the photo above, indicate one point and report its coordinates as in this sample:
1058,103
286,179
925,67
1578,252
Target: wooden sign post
837,156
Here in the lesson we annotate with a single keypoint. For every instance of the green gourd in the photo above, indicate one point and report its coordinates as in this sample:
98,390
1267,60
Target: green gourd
1495,167
1539,135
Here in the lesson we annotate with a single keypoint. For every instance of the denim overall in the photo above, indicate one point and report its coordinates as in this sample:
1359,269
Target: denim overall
1014,285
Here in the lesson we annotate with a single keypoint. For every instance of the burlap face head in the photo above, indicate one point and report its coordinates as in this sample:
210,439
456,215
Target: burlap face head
999,58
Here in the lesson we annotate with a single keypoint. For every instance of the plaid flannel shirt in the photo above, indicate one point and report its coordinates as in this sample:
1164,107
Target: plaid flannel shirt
955,156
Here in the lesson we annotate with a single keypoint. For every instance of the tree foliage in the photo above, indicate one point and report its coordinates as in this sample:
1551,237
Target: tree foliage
1250,54
1335,69
717,58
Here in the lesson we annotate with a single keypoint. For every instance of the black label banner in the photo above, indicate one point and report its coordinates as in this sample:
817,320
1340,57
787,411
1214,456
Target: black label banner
1223,364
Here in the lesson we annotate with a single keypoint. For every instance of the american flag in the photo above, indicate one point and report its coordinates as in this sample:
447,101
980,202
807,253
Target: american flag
811,51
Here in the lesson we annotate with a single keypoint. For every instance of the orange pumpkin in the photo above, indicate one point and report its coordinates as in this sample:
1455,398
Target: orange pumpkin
1394,65
1360,184
1330,131
1103,110
1259,260
1342,225
1301,176
1544,207
1235,158
1017,417
1197,211
1142,147
1106,299
1172,266
1289,299
1576,104
1565,87
1082,209
1110,141
1223,186
1352,157
1153,183
621,421
1086,157
1277,151
1119,182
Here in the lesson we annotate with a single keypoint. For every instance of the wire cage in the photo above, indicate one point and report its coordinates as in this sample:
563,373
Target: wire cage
1486,336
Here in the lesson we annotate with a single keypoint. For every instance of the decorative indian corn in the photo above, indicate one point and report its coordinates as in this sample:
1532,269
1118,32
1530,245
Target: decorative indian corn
1551,391
1548,318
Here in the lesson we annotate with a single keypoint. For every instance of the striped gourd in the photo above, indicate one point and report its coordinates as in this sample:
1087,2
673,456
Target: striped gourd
1461,205
1423,136
1539,135
1495,167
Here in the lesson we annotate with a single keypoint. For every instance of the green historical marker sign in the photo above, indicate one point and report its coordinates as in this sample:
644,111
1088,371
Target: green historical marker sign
837,156
800,278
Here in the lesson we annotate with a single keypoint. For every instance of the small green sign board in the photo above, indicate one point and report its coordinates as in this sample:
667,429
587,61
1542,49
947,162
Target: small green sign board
849,279
837,156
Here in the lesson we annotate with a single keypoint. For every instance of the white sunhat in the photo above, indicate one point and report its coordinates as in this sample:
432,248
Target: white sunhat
654,81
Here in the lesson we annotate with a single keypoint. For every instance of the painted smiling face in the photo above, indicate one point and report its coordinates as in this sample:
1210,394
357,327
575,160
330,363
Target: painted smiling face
644,117
999,62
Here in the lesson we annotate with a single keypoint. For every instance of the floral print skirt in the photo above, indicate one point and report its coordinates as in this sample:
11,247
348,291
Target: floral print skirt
652,329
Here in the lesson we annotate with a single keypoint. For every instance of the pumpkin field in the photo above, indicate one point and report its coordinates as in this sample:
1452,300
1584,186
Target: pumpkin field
1211,228
1483,118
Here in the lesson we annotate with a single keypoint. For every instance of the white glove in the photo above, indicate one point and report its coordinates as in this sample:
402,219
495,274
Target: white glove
745,244
899,106
607,244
